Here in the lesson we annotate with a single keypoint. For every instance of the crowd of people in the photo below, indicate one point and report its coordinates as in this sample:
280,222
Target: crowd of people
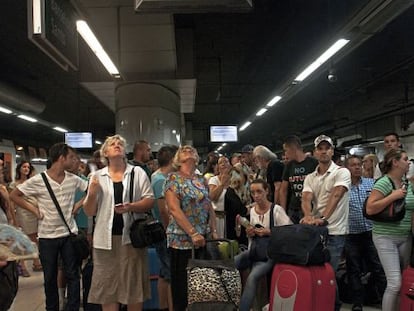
107,194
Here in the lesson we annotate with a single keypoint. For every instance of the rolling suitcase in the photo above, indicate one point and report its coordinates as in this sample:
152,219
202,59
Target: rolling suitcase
407,290
213,284
298,288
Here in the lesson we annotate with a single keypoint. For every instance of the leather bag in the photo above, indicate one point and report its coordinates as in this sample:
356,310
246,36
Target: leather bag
391,213
258,245
144,231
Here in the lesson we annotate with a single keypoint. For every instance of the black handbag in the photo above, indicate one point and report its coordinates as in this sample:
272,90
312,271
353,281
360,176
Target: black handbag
144,231
258,245
391,213
299,245
79,241
8,285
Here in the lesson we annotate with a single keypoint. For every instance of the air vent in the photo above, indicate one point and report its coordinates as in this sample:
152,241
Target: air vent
192,6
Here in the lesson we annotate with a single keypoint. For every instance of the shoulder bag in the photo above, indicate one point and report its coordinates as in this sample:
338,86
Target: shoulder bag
144,231
391,213
259,244
79,241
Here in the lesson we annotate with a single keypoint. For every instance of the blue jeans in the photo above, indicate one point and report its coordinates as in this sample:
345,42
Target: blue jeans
394,254
165,261
49,250
335,246
360,249
258,270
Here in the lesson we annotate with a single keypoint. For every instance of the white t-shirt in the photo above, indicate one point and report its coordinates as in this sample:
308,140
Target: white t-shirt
52,226
219,204
321,187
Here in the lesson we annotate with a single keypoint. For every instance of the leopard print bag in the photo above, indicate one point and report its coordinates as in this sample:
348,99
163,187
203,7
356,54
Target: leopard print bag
213,283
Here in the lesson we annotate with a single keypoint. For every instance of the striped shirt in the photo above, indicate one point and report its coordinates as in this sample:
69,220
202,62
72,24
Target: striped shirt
398,228
357,195
52,226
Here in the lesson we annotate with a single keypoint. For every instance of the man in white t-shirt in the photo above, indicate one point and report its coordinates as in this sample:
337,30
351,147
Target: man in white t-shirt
327,190
52,232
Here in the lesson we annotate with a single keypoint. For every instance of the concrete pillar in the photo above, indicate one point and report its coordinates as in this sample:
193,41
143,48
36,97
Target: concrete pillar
147,111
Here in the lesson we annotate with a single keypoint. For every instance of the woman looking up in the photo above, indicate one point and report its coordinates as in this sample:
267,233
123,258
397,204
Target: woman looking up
193,219
392,239
120,273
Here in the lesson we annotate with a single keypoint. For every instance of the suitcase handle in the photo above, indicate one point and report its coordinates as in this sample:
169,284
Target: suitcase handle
228,241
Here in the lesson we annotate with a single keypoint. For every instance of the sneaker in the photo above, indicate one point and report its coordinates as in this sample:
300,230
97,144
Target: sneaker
357,308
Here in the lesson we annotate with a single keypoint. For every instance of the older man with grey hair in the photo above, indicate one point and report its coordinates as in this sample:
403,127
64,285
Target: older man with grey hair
266,160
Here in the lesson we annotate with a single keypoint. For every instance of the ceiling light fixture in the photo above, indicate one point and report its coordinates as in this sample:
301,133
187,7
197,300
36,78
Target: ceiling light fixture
96,47
321,59
273,101
244,126
60,129
5,110
27,118
98,142
261,112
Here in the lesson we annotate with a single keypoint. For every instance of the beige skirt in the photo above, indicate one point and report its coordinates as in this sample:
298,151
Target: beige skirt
27,220
120,275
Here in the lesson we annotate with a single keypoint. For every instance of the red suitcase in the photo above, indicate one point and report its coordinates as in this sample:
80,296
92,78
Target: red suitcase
299,288
407,290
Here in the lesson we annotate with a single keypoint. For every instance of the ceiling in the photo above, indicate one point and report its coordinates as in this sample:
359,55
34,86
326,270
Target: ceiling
239,58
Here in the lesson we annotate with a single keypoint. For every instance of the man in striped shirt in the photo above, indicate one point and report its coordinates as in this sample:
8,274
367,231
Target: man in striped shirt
359,246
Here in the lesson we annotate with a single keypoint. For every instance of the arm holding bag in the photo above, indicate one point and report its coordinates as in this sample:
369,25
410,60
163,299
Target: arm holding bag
299,245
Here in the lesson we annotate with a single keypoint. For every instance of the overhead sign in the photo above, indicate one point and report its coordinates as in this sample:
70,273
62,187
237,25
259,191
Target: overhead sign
52,27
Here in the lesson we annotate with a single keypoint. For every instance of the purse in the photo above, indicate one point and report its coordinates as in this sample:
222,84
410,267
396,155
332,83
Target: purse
391,213
8,284
258,245
79,241
144,231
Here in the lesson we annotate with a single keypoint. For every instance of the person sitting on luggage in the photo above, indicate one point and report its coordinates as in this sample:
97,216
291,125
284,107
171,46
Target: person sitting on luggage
392,239
259,227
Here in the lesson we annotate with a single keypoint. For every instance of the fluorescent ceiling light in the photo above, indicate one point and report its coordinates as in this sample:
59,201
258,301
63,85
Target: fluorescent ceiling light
322,59
96,47
60,129
27,118
273,101
5,110
244,126
37,17
98,142
261,112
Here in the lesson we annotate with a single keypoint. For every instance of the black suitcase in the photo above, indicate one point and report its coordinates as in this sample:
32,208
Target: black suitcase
86,286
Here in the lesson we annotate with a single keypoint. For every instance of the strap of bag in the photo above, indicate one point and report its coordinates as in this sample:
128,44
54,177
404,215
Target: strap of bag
131,185
52,195
272,220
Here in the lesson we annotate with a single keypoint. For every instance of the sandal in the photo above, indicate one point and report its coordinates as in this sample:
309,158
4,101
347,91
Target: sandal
37,268
25,273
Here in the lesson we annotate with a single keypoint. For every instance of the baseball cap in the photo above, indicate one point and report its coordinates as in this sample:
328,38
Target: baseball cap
322,138
247,149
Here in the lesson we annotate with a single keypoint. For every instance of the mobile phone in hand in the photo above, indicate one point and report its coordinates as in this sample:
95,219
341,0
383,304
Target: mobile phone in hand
119,205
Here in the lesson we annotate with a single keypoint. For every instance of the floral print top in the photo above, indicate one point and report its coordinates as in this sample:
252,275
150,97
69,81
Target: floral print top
195,203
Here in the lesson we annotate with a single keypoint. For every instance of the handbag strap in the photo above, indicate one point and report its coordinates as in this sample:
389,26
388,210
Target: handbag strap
131,185
52,195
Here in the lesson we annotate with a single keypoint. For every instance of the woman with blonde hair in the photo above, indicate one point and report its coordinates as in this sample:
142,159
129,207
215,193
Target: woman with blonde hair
120,273
370,168
193,219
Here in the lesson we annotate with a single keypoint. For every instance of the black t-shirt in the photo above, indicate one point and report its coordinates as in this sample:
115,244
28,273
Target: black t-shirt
118,223
233,206
274,174
295,173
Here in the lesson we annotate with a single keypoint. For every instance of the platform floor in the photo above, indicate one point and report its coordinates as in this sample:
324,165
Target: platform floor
30,296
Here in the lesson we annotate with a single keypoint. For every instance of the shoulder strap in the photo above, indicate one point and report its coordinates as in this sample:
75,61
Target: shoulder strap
131,185
272,219
52,195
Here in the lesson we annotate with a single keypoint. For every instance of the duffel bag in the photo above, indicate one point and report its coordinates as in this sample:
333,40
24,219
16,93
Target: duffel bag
299,245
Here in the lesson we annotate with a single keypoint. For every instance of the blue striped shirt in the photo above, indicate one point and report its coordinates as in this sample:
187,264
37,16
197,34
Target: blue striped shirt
357,195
